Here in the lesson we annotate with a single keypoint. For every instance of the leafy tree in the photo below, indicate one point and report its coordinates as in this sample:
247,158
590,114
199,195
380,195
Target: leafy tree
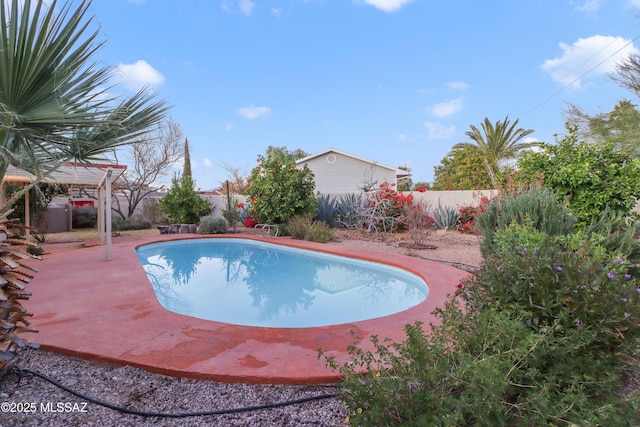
421,185
279,190
496,142
56,102
405,183
620,126
273,151
182,204
238,181
461,169
149,160
627,73
590,177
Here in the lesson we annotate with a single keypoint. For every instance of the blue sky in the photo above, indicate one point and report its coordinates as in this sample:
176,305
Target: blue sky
395,81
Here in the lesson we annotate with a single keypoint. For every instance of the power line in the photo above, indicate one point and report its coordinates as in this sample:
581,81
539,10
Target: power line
565,87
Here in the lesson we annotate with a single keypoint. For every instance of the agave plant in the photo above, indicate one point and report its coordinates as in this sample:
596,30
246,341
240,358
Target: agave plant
446,217
327,209
14,275
348,211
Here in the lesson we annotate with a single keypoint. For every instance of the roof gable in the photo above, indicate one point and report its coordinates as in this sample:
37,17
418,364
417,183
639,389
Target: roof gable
399,172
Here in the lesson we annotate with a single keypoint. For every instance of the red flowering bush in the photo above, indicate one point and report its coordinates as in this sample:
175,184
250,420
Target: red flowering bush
251,220
388,209
468,215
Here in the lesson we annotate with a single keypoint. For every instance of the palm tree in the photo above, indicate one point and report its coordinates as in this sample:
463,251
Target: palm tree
55,101
55,106
496,142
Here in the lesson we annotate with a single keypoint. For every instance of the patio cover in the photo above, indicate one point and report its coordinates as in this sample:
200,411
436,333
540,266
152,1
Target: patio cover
95,176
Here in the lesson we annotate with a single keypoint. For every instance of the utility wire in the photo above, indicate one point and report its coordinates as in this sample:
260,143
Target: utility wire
579,77
588,71
24,371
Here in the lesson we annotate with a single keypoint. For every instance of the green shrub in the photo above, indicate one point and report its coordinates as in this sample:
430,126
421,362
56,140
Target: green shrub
135,222
35,250
446,217
539,207
482,368
567,281
538,336
304,228
210,225
590,177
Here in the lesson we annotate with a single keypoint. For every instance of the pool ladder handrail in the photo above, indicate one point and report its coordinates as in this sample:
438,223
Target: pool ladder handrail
267,229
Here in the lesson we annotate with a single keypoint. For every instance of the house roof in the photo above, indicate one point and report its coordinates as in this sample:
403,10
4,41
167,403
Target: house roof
400,173
70,174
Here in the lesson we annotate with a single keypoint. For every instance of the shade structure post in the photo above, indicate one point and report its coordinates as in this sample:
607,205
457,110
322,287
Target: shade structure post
104,212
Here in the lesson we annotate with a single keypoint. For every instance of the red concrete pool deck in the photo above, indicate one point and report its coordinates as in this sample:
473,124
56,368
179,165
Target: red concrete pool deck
105,310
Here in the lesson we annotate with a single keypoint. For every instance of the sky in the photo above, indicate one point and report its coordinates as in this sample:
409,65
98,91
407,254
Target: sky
394,81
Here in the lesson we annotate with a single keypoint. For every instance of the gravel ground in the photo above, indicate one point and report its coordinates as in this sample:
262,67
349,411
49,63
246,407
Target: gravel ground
30,401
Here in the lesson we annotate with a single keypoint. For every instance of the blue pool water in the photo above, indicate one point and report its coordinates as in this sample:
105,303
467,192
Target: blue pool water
247,282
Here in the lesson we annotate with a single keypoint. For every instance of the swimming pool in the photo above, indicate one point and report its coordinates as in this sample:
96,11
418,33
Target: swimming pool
254,283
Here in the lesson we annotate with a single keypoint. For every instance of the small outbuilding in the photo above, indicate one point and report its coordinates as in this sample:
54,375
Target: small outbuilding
337,172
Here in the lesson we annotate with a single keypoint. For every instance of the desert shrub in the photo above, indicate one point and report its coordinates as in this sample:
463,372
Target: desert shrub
297,226
348,209
304,228
446,217
210,225
135,222
538,336
539,207
571,282
418,223
327,210
481,367
152,210
232,215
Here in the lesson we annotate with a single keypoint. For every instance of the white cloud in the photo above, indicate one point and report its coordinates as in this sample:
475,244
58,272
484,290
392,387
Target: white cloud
402,137
457,86
589,6
594,55
136,76
276,11
634,3
253,112
244,6
447,108
438,131
387,5
207,163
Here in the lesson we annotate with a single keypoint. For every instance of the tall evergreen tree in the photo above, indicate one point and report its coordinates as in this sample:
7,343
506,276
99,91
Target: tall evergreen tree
186,170
182,204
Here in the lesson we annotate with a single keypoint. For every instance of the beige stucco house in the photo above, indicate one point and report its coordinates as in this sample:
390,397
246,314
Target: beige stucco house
337,172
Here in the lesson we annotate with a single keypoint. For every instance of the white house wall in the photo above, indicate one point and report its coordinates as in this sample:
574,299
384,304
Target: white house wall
335,173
